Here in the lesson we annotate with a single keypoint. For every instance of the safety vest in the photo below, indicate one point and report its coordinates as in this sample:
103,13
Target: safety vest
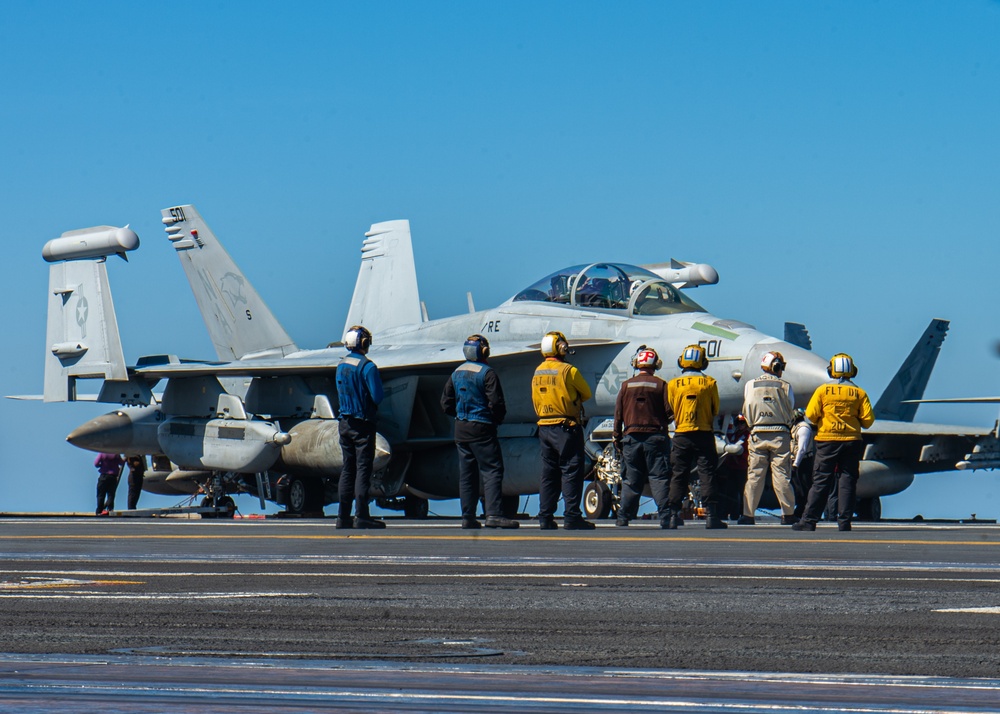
352,390
694,397
471,404
767,404
558,392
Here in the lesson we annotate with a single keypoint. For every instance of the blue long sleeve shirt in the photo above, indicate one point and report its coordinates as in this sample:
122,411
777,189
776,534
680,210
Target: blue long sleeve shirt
359,387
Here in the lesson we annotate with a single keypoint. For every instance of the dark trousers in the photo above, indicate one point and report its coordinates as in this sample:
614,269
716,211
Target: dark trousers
107,484
647,459
562,470
357,443
831,457
135,479
480,460
802,478
693,453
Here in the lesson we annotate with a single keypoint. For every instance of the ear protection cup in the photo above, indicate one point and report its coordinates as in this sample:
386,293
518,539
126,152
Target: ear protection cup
554,344
476,348
773,363
358,338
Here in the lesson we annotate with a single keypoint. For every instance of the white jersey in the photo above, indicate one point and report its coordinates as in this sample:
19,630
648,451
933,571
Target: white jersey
768,404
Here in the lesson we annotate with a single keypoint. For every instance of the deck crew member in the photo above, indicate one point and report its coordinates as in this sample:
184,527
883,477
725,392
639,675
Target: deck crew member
642,417
803,451
473,396
109,471
136,475
768,405
558,392
694,400
839,410
359,392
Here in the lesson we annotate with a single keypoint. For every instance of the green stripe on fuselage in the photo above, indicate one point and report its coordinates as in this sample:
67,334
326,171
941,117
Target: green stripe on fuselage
714,331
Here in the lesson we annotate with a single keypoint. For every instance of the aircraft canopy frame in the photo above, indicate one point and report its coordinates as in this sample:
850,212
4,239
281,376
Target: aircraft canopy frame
610,286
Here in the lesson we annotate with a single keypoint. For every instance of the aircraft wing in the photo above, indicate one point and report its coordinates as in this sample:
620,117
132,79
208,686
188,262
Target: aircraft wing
931,448
391,359
956,400
883,427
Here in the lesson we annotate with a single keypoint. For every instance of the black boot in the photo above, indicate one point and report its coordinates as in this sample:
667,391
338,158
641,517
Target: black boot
712,520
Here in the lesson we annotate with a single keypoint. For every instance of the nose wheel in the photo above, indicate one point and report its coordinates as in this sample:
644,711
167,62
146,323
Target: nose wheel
597,500
226,502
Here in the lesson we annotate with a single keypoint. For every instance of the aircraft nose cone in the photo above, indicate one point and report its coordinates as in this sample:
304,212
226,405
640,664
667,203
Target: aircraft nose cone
111,433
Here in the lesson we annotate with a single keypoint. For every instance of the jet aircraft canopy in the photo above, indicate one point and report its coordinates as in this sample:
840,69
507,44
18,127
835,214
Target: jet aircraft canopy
611,286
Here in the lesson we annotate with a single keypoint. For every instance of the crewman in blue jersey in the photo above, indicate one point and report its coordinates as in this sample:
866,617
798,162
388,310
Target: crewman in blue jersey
359,392
473,396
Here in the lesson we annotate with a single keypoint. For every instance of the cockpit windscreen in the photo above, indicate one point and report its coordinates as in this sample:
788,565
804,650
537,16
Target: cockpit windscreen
610,286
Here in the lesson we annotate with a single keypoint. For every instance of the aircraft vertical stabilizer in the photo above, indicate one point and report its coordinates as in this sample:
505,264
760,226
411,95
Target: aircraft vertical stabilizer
386,295
239,322
911,379
81,337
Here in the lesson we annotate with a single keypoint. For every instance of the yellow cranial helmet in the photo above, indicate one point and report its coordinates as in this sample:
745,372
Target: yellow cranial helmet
693,357
841,366
554,344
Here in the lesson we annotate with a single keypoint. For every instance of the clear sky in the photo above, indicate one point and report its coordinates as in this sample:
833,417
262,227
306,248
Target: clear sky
838,163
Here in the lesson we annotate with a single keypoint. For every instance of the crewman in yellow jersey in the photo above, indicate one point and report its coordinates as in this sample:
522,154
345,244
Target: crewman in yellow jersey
558,392
694,399
839,410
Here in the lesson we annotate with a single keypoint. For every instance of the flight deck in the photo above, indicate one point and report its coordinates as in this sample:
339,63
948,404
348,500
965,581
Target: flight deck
422,604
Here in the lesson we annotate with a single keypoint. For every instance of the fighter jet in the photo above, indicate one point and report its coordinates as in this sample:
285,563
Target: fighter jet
262,419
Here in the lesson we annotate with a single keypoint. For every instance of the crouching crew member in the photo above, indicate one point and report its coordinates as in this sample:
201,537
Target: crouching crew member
839,410
642,416
473,396
558,392
359,392
768,404
803,451
694,400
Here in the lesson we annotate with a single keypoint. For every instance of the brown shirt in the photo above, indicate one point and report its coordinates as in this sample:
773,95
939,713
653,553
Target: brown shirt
642,407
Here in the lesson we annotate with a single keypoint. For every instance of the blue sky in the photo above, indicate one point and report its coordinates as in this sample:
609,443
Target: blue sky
838,163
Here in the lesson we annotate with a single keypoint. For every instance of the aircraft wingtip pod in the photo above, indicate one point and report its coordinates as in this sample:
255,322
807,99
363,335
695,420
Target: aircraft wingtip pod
96,242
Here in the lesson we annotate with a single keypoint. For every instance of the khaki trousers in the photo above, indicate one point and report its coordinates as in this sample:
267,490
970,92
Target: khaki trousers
769,449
